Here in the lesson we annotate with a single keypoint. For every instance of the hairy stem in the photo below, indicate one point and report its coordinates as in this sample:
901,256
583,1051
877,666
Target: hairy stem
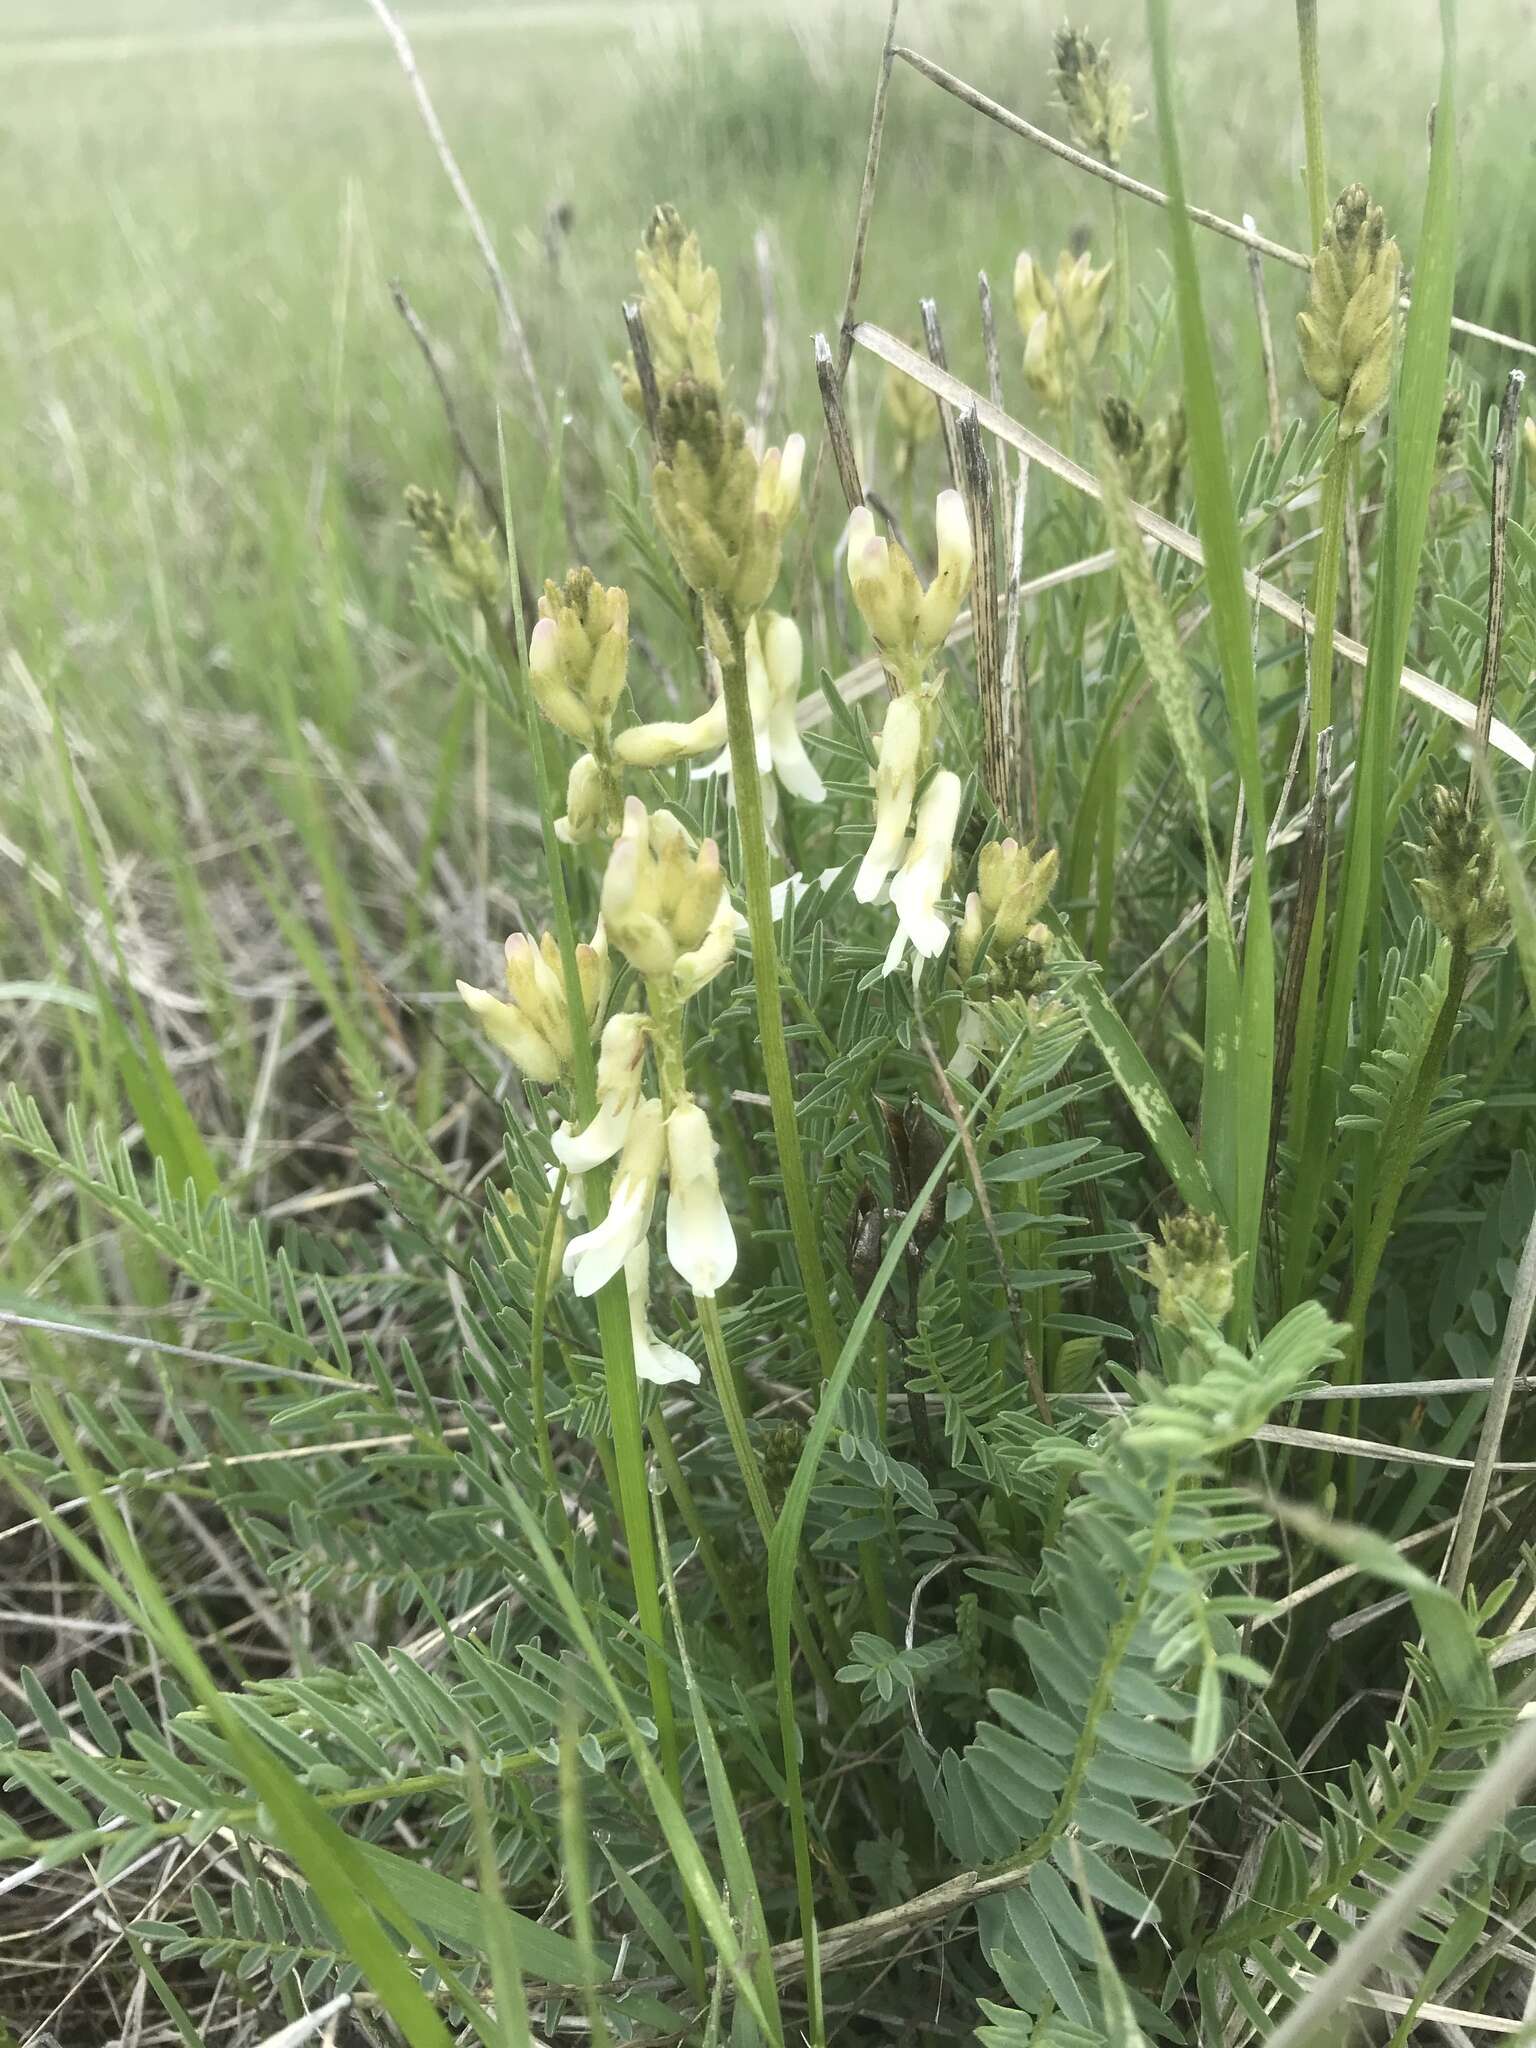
1312,118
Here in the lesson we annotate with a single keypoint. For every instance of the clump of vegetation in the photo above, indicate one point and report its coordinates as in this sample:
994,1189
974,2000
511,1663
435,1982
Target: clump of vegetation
903,1433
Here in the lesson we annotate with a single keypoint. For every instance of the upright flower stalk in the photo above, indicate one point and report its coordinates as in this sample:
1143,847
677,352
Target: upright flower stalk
724,511
1100,115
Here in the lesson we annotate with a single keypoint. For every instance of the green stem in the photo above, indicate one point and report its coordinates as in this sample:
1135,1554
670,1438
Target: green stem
671,1469
1325,592
536,1315
1122,326
1312,118
770,1019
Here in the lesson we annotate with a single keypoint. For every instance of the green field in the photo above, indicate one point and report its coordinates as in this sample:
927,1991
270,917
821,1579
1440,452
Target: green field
267,1196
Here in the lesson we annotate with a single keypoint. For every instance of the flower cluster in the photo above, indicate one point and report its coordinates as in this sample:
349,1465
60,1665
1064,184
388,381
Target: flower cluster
667,909
1346,330
534,1028
910,623
1001,951
578,656
1192,1270
680,305
1062,321
1098,104
1461,888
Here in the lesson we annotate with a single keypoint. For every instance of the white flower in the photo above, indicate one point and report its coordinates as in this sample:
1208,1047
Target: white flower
901,741
700,1241
662,1364
917,889
592,1259
713,954
620,1071
775,660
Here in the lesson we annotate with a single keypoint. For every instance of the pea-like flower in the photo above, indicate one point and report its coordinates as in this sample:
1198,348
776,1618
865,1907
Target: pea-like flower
534,1028
701,1244
592,1259
899,753
620,1073
916,890
1061,319
587,799
909,623
662,1365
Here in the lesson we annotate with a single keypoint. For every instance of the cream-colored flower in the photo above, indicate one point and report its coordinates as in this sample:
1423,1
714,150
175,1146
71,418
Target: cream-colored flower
900,749
909,623
620,1074
586,802
698,967
778,481
700,1241
534,1029
660,891
916,890
662,1365
592,1259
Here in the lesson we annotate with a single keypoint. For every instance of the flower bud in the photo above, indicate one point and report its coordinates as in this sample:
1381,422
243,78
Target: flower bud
701,1244
1346,330
783,662
900,750
1461,888
1015,885
667,740
1062,321
778,482
721,511
916,890
660,892
588,793
946,593
1192,1269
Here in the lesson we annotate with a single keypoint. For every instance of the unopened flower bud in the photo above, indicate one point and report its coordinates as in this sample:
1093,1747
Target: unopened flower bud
778,481
588,794
1192,1269
666,740
910,624
1461,888
660,892
1347,327
1062,321
578,654
721,511
1015,885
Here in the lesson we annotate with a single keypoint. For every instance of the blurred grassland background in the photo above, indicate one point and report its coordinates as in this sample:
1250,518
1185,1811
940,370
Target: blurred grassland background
210,408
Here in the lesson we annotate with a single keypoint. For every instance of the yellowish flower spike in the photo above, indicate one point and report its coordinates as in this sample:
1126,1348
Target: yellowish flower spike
578,654
1014,885
701,1244
680,304
722,512
914,415
918,886
660,892
910,624
1346,331
1098,104
464,557
533,1028
1193,1270
1062,320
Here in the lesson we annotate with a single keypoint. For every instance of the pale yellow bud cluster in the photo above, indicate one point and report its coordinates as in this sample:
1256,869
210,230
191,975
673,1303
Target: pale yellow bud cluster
1461,888
1062,321
465,561
680,305
578,657
1192,1270
914,416
1098,104
1347,327
910,623
533,1028
665,903
1013,884
722,510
